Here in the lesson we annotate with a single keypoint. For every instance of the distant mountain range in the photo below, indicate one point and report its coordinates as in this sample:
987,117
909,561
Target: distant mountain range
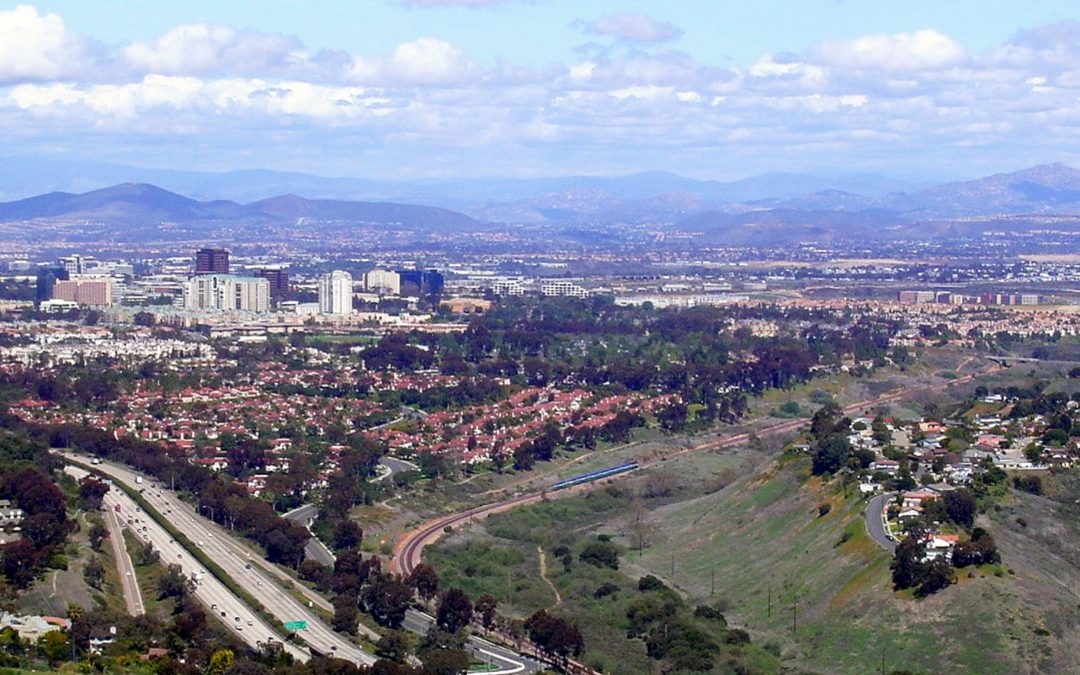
771,208
137,211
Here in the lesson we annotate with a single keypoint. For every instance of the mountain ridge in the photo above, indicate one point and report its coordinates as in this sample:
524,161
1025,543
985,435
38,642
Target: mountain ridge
959,208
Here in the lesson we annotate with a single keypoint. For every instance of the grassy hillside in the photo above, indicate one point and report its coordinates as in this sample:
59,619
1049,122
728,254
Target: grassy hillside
763,537
502,556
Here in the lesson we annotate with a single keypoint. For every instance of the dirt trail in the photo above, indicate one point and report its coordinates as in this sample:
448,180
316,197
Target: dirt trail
543,575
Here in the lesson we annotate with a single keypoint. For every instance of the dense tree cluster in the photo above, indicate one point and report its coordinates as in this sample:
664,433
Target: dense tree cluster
980,550
910,569
554,636
45,525
225,501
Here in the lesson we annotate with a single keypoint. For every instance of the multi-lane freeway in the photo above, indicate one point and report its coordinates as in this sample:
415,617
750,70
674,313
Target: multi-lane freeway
233,612
241,564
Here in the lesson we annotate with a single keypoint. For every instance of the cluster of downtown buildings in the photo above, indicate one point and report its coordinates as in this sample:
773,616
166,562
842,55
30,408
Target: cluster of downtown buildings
81,281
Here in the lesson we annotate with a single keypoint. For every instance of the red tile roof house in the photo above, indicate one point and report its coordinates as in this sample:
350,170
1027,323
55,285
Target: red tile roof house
940,545
889,466
917,497
910,512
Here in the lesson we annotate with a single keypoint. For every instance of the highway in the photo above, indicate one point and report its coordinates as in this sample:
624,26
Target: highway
241,564
212,593
875,522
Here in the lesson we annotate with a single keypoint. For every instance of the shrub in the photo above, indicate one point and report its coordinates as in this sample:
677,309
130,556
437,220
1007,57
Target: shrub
710,613
650,583
736,636
823,509
1030,484
601,554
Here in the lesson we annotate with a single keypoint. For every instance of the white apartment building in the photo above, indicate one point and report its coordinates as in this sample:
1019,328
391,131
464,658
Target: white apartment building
507,287
384,282
335,293
564,287
227,292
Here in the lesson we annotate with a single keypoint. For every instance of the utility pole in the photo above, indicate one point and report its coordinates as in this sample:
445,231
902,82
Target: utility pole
768,612
712,583
795,614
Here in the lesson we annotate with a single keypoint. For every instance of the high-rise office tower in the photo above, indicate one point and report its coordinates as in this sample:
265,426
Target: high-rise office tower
278,278
212,261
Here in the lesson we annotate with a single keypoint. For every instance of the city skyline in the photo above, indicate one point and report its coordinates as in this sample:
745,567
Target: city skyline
612,89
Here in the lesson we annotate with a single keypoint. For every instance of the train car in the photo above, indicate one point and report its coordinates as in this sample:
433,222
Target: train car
594,476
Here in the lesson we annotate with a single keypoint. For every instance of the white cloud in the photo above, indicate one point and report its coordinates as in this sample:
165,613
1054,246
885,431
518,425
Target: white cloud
196,49
175,94
635,27
425,61
628,101
37,47
921,50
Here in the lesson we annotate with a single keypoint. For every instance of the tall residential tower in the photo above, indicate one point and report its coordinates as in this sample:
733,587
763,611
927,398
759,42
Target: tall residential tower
335,293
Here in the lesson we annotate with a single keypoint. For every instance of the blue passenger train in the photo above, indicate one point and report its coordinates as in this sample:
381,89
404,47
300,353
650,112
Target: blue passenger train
594,475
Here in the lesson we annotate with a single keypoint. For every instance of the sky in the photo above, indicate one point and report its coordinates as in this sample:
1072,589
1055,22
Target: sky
443,88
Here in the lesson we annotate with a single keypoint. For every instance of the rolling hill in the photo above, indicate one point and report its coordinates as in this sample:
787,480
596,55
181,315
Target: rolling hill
138,211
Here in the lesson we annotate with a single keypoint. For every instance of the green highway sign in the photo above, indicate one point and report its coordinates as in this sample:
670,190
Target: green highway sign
296,625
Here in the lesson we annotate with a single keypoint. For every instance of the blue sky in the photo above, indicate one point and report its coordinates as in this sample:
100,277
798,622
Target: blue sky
534,87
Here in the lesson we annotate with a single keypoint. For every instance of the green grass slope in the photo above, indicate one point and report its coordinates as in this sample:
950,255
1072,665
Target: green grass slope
820,587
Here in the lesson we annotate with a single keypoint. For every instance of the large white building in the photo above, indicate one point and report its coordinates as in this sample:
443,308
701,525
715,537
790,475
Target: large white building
505,287
383,282
564,288
227,292
335,293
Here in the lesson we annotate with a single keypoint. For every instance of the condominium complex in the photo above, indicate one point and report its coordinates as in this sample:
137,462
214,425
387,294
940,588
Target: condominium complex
950,298
335,293
226,292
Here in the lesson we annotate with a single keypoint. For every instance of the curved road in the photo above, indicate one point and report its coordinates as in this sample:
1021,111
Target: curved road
875,522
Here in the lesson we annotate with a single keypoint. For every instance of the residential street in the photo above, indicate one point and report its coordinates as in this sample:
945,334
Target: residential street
875,526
